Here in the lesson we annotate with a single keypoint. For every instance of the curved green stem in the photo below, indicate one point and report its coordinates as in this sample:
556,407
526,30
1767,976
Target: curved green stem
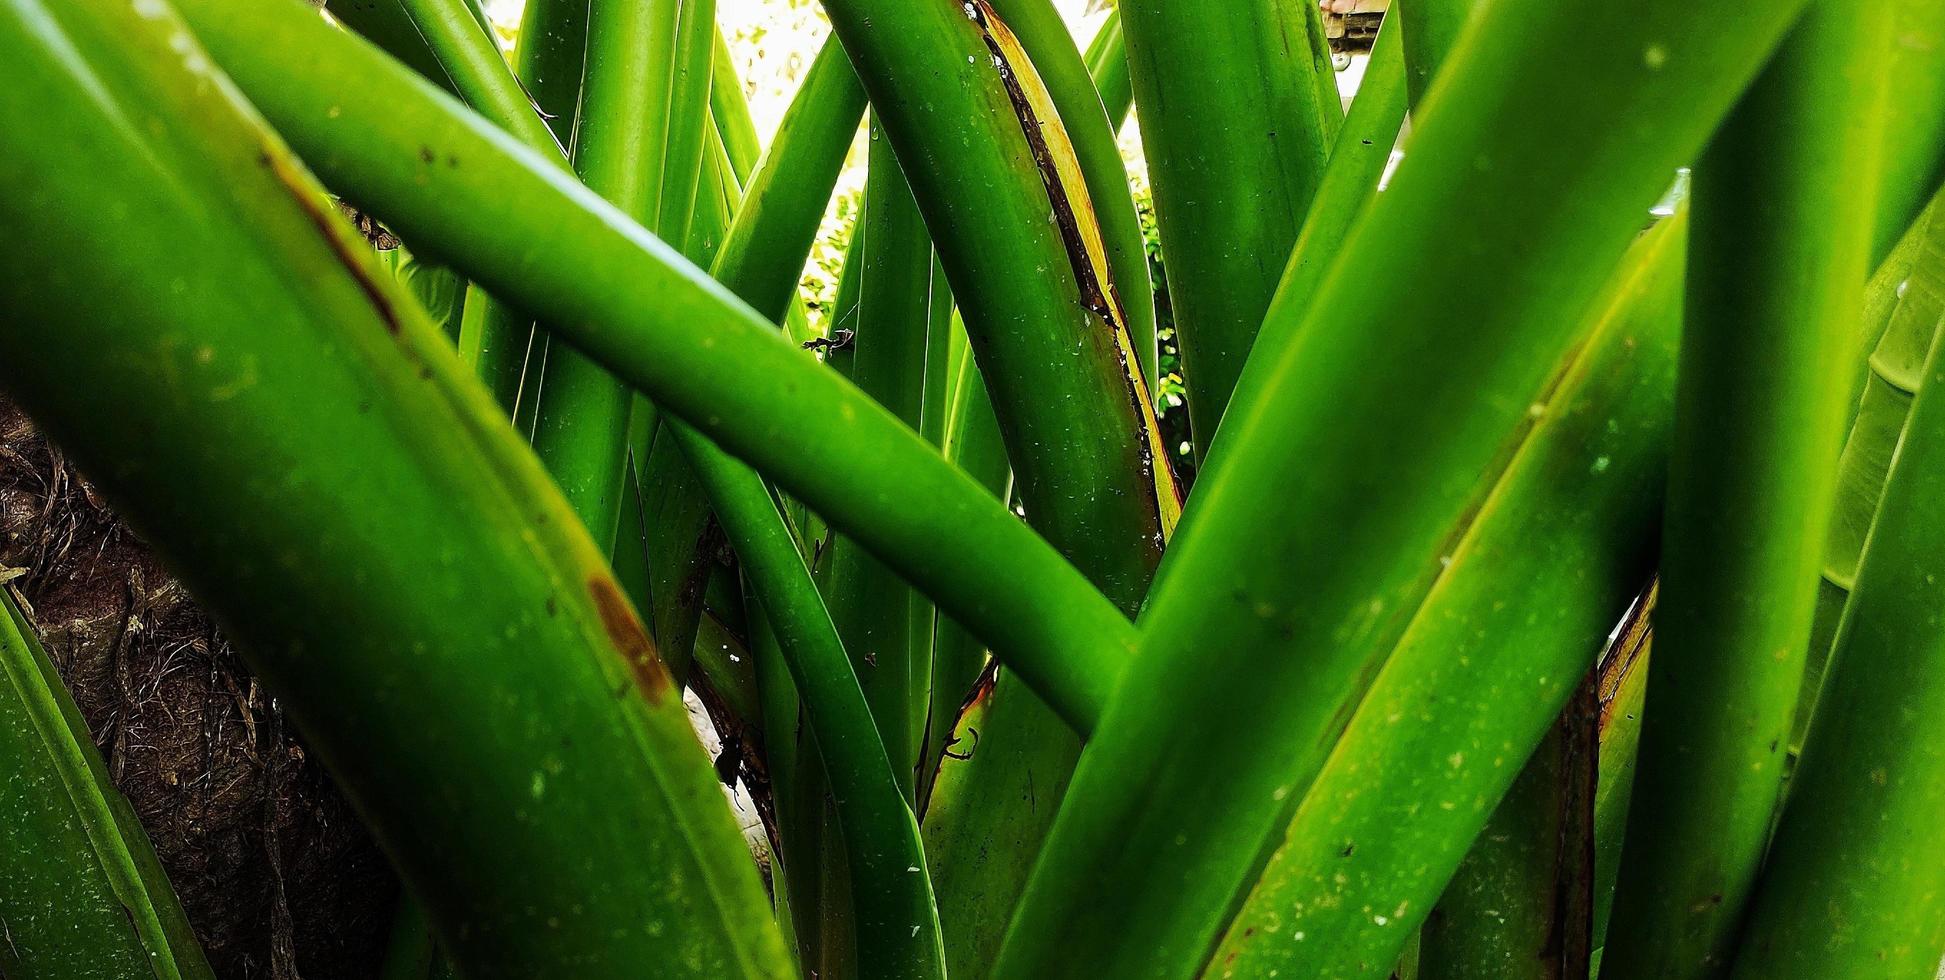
496,341
1520,906
625,297
1909,288
1350,181
983,152
1431,29
1911,146
635,120
1107,65
896,918
972,442
729,112
873,608
386,24
470,57
550,59
794,179
989,149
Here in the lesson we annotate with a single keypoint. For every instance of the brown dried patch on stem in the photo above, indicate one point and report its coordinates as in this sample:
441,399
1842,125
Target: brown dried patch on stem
331,227
625,631
1619,660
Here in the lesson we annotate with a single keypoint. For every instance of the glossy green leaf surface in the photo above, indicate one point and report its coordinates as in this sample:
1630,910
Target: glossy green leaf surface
1911,140
1910,289
872,606
1431,28
895,917
500,343
1107,65
795,176
1069,78
639,143
1357,162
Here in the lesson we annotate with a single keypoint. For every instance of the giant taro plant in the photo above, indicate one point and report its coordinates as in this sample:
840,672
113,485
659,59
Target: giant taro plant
1375,697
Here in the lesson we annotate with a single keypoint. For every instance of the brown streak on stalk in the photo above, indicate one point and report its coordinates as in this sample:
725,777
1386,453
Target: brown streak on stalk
1097,296
330,226
1092,290
625,631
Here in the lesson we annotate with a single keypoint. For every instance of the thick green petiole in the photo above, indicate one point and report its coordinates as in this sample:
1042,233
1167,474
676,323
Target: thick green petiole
1301,586
1849,886
1357,161
872,606
1491,657
990,164
1236,124
1781,218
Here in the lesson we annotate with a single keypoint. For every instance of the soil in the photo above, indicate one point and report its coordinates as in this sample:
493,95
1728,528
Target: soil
278,878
